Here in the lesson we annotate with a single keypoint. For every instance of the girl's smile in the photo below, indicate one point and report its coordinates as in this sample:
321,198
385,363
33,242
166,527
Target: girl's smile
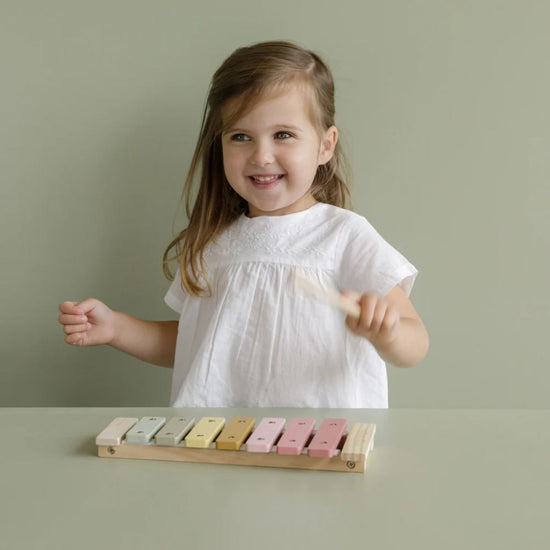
266,181
272,152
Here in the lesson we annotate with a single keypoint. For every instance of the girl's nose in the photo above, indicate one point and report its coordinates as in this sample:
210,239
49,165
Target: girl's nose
262,155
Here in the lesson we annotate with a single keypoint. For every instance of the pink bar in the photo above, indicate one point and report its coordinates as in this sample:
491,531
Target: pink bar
326,440
265,435
295,437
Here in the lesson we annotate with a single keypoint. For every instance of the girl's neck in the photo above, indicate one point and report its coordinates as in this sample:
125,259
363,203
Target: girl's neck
304,203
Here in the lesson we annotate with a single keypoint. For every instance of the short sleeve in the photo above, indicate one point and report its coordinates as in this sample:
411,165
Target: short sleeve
175,296
369,263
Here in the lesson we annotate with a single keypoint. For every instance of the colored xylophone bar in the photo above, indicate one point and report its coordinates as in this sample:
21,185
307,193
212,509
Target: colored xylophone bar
239,442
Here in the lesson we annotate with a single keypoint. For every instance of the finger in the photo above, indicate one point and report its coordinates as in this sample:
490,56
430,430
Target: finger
352,322
87,305
71,329
368,304
378,316
70,307
66,319
76,339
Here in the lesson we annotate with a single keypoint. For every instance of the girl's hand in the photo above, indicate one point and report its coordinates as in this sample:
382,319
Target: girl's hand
379,320
87,323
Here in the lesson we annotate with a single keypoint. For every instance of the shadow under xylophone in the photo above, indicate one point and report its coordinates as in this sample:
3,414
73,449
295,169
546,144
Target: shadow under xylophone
212,440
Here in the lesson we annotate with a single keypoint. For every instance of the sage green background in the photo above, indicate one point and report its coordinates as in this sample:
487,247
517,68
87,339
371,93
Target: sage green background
443,108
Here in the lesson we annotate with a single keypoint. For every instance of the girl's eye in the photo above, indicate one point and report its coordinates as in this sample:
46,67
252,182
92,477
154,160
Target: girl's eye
239,137
282,135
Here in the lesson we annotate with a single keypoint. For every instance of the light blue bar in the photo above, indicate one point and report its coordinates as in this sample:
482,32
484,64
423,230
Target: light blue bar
144,431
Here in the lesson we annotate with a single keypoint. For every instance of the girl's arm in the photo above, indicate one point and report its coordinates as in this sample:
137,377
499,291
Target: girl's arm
393,327
91,323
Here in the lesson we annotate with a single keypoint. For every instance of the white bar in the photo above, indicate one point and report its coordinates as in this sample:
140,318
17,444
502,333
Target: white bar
113,433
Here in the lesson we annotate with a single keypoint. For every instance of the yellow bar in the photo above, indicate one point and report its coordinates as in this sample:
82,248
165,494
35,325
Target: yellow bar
235,433
204,432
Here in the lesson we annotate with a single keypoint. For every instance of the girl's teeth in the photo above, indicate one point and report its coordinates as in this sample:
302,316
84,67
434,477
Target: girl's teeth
264,179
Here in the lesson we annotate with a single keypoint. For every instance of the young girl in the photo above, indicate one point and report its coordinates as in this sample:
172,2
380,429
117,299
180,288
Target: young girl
270,206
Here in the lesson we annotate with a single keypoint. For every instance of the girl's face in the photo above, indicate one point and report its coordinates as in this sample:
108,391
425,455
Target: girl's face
271,154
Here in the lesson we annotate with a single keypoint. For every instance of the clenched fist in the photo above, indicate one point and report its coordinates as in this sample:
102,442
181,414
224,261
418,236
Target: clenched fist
87,323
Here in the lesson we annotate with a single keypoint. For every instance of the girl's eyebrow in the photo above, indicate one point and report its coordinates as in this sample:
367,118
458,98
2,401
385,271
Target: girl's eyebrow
274,127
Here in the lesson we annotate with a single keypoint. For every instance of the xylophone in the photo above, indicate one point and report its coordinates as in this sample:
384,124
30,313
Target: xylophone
239,441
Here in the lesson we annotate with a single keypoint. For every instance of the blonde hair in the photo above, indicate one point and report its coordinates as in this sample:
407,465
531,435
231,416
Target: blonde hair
245,77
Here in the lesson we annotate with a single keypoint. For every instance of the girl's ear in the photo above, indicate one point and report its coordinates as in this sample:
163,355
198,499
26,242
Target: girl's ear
328,144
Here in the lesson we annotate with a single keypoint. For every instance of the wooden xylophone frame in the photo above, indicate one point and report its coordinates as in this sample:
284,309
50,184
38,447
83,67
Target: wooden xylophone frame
351,457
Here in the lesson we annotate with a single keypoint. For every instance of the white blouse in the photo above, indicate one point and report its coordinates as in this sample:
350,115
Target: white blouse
259,342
